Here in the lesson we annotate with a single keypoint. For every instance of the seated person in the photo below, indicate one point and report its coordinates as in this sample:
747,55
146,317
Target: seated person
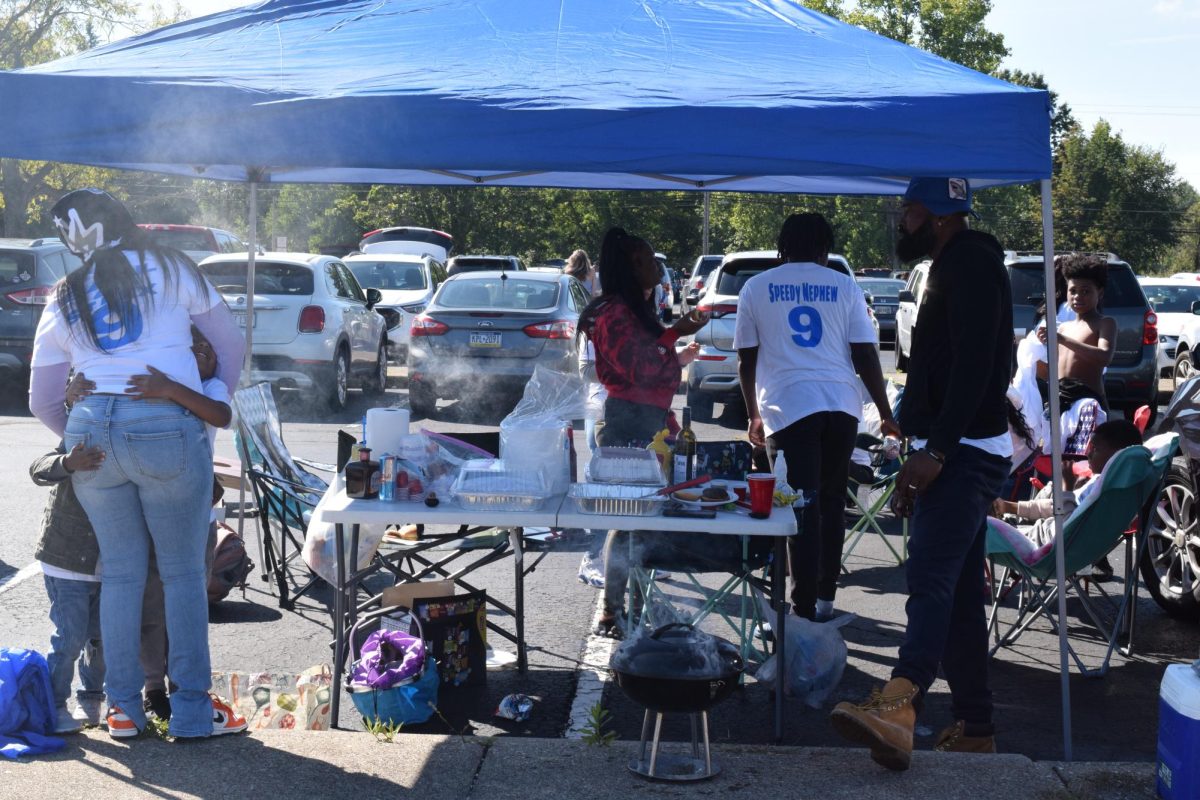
1108,439
1085,349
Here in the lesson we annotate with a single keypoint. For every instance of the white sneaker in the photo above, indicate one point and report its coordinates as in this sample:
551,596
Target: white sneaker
591,571
824,611
89,710
66,723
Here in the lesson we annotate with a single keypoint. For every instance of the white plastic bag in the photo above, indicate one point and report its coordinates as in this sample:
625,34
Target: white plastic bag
816,657
533,435
320,554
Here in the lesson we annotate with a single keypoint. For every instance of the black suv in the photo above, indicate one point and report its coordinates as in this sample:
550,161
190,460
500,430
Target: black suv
29,269
1131,380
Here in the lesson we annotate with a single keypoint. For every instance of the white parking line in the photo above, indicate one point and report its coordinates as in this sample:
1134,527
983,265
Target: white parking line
593,675
27,571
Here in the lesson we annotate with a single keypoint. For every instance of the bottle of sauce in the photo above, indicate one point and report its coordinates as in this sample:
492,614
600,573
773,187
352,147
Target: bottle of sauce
363,478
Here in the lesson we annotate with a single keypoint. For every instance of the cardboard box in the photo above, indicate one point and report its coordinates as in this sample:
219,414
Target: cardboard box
403,594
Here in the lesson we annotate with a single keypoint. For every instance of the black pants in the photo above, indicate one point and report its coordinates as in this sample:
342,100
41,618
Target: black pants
817,449
947,623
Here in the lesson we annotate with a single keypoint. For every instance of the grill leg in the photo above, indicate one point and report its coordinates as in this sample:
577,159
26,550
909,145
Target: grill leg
654,745
707,750
695,737
645,735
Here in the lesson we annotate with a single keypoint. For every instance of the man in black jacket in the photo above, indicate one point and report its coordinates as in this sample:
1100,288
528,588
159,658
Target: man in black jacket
954,407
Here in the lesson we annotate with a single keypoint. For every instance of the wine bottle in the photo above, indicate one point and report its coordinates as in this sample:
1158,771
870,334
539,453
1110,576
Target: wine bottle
683,456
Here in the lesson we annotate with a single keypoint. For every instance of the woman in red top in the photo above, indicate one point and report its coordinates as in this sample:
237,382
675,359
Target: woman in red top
637,363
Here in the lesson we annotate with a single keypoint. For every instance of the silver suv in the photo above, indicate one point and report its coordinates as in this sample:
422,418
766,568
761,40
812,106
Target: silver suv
29,269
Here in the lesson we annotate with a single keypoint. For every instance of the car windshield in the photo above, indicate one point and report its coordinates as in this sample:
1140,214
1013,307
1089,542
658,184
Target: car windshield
182,239
1121,289
1171,298
478,264
285,279
735,274
882,289
517,293
707,265
388,274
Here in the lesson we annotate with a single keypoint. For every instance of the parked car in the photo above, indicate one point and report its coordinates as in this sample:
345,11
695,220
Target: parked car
1131,380
29,269
409,240
485,332
460,264
694,287
1172,303
713,375
315,329
197,241
406,284
885,293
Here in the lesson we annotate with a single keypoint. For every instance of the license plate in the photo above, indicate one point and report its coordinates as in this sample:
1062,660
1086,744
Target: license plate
485,340
885,311
240,318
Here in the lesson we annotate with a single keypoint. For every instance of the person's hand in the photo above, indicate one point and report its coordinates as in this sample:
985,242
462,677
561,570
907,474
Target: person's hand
1001,507
79,388
1043,337
156,385
916,475
756,433
690,323
83,458
688,354
889,427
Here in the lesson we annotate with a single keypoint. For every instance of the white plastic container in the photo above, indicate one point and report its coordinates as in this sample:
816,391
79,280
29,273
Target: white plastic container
1178,767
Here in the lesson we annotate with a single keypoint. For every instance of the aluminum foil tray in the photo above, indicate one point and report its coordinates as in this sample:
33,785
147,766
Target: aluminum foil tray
616,500
489,486
625,465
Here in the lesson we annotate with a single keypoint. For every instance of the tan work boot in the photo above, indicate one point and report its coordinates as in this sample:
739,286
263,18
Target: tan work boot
954,740
884,723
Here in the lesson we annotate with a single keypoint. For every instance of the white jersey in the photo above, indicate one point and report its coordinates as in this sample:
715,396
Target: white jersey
157,334
803,317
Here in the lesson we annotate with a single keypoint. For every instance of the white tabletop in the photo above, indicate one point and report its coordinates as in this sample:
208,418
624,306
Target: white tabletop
782,522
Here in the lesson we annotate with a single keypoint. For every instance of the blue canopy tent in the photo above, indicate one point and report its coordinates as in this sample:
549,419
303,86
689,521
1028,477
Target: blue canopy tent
742,95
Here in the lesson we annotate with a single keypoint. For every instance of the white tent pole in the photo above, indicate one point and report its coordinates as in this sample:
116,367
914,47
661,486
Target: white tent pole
1056,461
247,364
704,247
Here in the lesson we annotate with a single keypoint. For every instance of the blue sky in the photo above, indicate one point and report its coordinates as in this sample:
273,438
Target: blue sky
1135,63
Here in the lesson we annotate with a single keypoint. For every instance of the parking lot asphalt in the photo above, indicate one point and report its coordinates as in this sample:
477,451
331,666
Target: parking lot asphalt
1115,719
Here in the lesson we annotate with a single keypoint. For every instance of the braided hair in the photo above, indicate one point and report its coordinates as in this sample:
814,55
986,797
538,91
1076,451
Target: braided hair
618,281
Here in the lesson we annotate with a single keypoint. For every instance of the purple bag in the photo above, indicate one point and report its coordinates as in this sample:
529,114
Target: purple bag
388,658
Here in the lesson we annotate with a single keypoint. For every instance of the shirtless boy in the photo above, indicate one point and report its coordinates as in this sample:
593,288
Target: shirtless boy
1085,348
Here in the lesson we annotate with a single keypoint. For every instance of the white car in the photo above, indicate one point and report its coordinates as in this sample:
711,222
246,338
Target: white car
315,329
406,284
1172,301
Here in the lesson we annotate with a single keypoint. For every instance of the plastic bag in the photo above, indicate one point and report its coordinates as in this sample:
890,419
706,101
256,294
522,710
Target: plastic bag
533,436
816,657
320,554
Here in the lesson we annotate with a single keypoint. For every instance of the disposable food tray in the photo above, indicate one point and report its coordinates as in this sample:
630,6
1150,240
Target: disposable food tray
484,485
616,500
625,465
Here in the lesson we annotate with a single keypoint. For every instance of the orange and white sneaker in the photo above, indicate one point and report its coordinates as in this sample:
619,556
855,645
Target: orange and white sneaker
120,726
225,719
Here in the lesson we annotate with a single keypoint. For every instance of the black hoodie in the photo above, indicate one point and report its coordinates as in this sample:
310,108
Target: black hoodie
962,346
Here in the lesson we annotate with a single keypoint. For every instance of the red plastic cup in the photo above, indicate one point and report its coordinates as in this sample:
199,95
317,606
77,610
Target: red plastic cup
762,492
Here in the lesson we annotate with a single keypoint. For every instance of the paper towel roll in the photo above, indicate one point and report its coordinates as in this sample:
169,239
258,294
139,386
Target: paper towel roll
386,429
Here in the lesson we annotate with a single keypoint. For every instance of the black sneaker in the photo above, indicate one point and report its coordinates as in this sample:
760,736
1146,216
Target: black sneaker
156,703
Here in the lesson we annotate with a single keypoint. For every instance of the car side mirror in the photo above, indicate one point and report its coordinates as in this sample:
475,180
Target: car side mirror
870,300
374,297
906,296
1196,307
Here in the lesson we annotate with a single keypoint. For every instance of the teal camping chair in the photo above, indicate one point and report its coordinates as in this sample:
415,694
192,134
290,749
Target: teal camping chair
870,493
1129,486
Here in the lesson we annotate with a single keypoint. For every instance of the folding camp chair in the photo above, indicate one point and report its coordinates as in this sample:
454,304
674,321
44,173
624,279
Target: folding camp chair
870,492
1129,486
284,491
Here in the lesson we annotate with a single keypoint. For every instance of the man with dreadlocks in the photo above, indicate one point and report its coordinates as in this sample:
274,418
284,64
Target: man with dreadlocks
128,311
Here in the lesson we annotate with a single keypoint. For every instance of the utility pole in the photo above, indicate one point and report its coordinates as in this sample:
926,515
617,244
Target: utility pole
704,236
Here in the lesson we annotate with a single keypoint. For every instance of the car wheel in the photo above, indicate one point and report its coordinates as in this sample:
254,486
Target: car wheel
377,383
339,391
901,357
701,405
1170,566
1183,368
421,399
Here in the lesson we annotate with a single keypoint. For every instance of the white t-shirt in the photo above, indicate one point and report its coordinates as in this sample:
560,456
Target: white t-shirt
158,334
51,571
803,317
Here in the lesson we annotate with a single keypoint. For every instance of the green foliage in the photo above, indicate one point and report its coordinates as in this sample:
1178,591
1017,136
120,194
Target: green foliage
384,732
593,730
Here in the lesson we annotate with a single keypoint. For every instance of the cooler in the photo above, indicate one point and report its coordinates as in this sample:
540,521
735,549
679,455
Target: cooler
1178,767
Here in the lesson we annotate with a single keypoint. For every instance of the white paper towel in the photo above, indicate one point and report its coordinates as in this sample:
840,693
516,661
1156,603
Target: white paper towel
386,429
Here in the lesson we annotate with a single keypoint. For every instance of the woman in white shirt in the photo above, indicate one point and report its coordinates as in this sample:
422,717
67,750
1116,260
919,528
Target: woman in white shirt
803,338
131,306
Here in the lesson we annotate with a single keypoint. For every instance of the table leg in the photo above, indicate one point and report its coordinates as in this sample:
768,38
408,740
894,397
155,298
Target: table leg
778,583
352,583
339,626
516,537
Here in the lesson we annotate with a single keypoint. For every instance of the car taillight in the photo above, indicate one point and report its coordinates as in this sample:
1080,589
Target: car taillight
37,296
427,326
1150,328
559,329
711,358
312,319
717,310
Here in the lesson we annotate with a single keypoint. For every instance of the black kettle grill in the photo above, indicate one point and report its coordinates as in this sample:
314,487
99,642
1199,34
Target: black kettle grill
677,669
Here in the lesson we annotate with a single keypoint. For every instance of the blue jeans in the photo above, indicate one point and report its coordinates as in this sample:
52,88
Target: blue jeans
155,484
947,623
75,612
